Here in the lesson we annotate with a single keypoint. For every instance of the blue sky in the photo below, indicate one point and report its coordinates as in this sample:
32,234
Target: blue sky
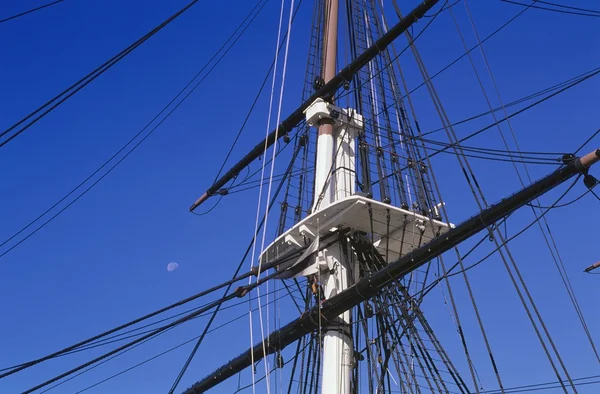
103,261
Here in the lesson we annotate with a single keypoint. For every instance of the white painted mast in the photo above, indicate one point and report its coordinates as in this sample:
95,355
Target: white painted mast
334,180
337,206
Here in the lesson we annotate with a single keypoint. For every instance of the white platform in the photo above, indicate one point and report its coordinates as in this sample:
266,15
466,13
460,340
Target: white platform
407,230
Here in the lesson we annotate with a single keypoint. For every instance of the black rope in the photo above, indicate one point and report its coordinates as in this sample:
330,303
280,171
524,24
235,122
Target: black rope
255,101
478,194
538,386
523,109
255,284
509,158
568,7
132,343
135,146
432,18
50,105
238,293
591,13
134,332
78,345
595,195
449,274
518,101
30,11
146,360
587,141
409,302
465,167
459,58
145,317
595,72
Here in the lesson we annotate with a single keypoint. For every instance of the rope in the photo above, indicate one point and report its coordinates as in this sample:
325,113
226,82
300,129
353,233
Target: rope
285,59
548,238
23,13
262,175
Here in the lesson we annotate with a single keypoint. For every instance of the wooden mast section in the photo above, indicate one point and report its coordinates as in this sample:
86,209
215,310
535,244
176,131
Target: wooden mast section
345,75
369,286
324,164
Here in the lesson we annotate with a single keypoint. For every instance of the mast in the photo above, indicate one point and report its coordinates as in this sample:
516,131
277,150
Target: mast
369,286
337,337
323,182
327,90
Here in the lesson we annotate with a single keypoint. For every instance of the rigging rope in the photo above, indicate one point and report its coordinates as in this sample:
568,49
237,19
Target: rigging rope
124,335
280,103
132,343
445,121
239,292
508,239
563,87
568,7
477,193
587,12
259,202
30,11
248,249
548,238
50,105
230,321
503,158
255,101
242,29
186,365
184,301
395,58
475,133
519,101
587,141
78,345
595,195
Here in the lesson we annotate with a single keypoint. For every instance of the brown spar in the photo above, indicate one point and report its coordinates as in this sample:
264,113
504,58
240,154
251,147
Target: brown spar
371,285
590,159
592,267
329,55
325,92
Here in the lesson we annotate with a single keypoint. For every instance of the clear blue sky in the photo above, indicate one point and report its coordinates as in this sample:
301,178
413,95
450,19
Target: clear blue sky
103,261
